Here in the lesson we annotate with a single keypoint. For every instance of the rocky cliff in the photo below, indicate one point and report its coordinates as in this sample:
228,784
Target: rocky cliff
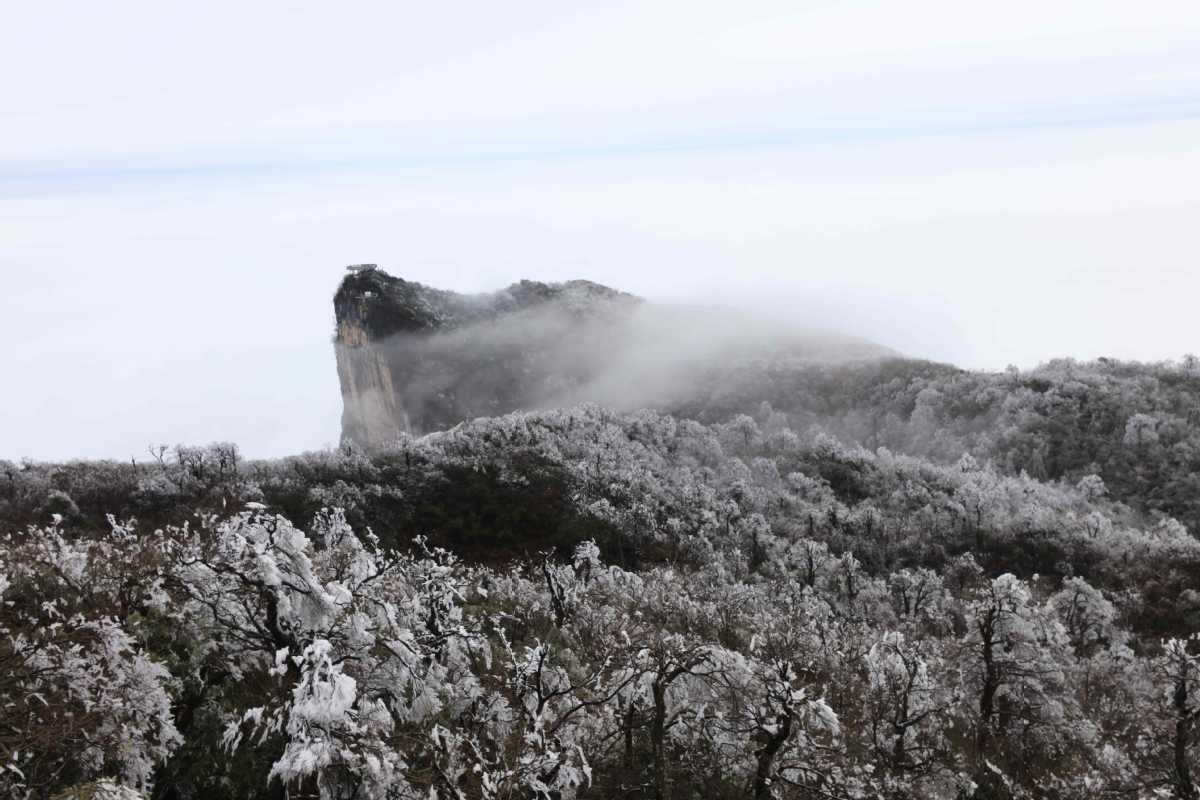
413,359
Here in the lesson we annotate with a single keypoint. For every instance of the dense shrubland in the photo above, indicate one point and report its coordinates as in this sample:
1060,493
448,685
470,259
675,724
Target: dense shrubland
1137,426
584,603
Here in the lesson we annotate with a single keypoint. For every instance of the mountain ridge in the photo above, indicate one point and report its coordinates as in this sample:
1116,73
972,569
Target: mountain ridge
413,359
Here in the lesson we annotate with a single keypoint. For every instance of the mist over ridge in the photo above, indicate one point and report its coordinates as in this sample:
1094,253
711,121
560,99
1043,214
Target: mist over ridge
415,359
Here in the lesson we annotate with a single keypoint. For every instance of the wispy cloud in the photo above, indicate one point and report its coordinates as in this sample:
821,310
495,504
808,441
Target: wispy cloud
373,155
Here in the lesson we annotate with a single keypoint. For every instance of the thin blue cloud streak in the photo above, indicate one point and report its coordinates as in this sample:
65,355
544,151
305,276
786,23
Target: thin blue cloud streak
16,180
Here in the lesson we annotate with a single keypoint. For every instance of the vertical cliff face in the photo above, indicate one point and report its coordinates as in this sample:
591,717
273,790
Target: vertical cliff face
372,309
412,359
369,409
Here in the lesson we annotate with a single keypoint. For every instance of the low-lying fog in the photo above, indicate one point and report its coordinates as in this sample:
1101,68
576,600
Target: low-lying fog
618,353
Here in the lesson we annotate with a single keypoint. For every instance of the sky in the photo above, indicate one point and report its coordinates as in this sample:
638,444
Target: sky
181,185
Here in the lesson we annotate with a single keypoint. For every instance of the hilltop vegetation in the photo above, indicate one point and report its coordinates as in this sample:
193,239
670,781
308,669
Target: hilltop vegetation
891,579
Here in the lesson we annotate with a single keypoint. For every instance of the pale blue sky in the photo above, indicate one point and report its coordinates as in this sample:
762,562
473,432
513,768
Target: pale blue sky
180,184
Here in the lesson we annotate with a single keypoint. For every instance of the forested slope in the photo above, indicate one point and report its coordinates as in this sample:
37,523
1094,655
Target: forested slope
632,604
1135,425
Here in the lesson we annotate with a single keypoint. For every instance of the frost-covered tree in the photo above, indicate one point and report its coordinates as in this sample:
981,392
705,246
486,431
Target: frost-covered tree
365,648
1166,748
1014,660
81,698
908,697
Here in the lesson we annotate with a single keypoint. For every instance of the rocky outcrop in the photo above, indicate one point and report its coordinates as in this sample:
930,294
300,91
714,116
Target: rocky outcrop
413,359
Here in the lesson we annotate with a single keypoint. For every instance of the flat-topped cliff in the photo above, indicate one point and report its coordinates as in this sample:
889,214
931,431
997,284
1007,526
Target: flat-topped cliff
412,358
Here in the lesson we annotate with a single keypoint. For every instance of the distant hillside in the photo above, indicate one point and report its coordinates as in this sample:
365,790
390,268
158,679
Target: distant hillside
413,360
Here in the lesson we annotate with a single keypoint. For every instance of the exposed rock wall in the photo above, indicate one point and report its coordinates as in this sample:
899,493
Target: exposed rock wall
413,359
370,412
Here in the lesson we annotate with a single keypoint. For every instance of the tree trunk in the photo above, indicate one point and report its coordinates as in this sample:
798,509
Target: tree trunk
900,730
658,742
991,684
1185,788
629,736
766,756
